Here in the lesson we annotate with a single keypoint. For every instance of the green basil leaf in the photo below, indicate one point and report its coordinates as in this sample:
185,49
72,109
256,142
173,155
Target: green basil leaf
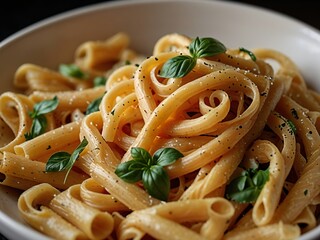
64,161
46,106
34,130
72,70
33,114
28,136
39,125
247,187
178,66
58,162
240,182
74,156
94,105
166,156
137,165
206,47
99,81
249,195
140,154
149,169
236,185
156,182
128,175
260,178
251,54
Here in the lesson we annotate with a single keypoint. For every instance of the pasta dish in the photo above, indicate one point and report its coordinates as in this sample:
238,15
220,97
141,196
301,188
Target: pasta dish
196,141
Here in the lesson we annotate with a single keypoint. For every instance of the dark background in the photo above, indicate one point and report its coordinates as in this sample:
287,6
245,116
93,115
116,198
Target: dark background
17,14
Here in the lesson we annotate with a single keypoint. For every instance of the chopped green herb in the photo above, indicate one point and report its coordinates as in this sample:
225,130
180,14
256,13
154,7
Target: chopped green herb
305,192
149,169
61,161
251,54
247,187
39,123
292,127
99,81
181,65
72,70
94,105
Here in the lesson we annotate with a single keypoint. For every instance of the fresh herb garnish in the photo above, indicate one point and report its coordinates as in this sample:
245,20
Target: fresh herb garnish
61,161
94,105
99,81
292,127
72,70
181,65
149,169
178,66
39,123
247,187
251,54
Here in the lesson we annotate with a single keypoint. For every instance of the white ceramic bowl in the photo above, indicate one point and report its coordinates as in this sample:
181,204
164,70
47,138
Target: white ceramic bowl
54,40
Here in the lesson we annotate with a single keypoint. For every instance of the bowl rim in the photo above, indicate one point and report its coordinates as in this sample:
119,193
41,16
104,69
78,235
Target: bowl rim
8,225
68,14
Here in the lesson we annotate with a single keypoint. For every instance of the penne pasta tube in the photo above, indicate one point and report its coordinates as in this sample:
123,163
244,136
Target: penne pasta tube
34,77
33,205
168,217
16,182
50,142
272,231
94,54
70,100
94,223
269,197
307,219
25,168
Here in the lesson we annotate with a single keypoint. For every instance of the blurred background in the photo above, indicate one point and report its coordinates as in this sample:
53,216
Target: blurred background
17,14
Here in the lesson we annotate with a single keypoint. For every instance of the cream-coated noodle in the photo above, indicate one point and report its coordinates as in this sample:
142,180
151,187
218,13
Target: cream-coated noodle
247,134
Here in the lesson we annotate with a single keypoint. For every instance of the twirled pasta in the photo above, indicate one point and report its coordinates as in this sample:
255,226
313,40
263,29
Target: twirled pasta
228,113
